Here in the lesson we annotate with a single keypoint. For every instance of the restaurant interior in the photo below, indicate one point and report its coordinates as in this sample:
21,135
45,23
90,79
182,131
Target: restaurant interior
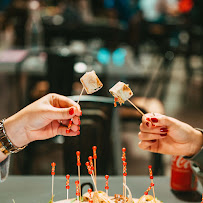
154,46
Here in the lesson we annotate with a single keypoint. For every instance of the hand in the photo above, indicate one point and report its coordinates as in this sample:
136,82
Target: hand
166,135
43,119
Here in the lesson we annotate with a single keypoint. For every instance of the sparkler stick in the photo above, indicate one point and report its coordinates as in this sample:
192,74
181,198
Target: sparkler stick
90,191
107,184
152,182
90,172
124,175
77,190
95,166
124,169
91,165
67,184
79,164
52,173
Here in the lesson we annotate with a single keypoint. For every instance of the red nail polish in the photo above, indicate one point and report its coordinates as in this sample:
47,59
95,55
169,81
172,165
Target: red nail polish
80,113
147,124
148,119
153,140
78,133
163,130
153,125
67,131
71,111
79,122
154,120
163,135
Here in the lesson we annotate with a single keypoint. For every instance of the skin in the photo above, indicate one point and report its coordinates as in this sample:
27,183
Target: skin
43,119
180,138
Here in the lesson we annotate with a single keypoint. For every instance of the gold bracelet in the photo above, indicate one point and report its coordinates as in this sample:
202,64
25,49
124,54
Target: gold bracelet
6,146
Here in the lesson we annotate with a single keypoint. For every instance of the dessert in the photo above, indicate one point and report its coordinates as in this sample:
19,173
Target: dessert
121,92
91,82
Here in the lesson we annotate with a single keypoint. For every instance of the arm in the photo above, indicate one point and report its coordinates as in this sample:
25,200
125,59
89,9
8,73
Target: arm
166,135
43,119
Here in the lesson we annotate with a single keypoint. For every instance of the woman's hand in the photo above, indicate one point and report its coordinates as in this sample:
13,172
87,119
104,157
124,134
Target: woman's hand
43,119
166,135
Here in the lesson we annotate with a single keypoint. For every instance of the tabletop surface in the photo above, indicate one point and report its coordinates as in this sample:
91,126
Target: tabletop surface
37,189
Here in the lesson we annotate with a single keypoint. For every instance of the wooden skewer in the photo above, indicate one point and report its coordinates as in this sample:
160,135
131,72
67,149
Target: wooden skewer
95,171
52,189
153,191
125,188
136,107
79,182
80,95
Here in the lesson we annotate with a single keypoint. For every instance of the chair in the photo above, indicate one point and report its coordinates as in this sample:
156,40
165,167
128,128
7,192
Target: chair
60,72
99,127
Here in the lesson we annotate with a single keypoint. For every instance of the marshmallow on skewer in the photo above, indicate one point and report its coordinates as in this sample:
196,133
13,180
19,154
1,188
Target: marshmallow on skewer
121,92
91,82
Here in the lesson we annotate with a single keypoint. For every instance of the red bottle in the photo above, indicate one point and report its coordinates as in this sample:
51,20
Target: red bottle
183,181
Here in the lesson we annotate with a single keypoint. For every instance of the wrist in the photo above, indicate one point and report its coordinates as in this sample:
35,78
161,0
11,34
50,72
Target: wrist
15,132
197,146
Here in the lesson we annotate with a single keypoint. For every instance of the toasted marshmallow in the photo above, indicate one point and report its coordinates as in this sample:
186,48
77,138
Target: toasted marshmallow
91,82
121,92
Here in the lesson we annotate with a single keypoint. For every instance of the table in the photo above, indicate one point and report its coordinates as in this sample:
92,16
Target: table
37,189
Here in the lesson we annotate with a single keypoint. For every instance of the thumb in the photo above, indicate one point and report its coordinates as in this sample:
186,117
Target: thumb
62,113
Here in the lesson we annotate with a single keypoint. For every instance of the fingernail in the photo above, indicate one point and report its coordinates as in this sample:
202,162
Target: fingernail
163,130
71,111
153,140
67,131
80,113
153,125
79,122
163,135
147,124
148,119
78,127
78,133
154,120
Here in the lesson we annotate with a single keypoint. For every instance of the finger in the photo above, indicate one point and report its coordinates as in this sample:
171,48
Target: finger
147,145
62,131
157,119
63,102
144,127
75,128
61,113
64,122
149,136
76,120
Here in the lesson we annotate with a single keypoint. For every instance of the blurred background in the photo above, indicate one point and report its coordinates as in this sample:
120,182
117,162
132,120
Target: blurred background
153,45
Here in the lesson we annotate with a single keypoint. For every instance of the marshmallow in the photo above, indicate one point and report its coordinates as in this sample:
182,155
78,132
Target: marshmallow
121,91
91,82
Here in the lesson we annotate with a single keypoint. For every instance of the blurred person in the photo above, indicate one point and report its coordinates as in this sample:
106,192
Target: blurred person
43,119
15,17
167,135
127,14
